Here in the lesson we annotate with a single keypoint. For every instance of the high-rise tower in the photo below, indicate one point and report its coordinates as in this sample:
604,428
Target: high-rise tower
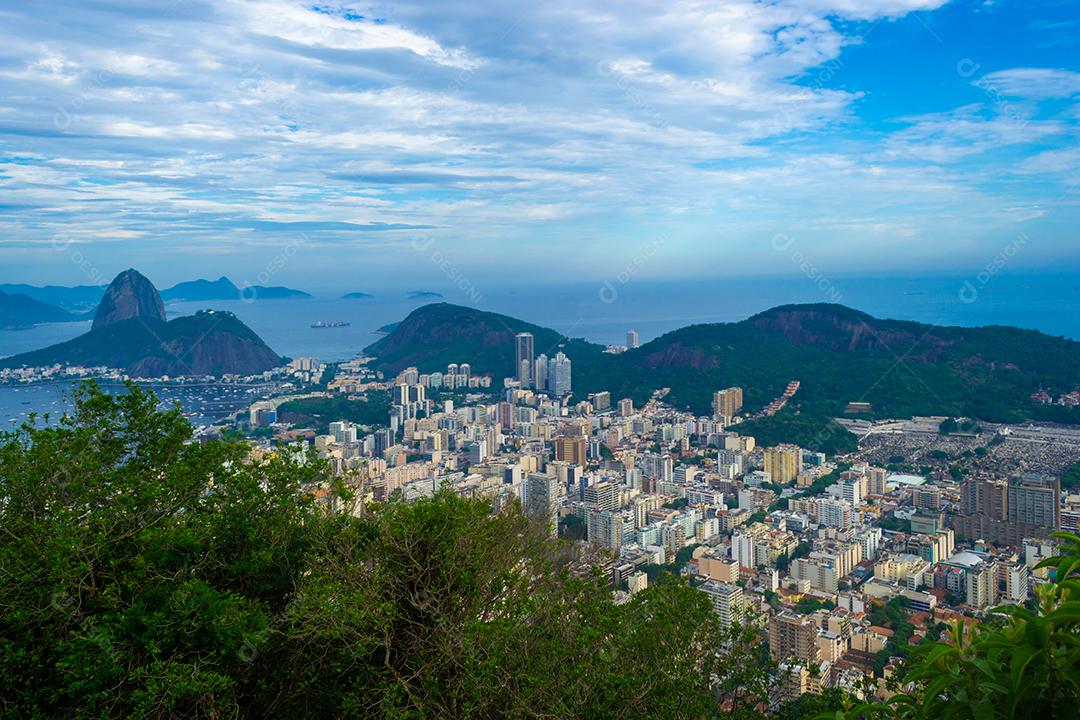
523,356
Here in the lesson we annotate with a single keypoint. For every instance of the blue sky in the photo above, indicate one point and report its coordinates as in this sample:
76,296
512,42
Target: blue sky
347,144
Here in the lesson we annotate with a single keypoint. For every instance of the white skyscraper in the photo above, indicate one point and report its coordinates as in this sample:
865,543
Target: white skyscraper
540,373
742,550
851,489
632,340
559,375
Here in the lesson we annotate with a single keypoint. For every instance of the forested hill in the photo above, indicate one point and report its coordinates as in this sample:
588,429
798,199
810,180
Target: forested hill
432,336
838,354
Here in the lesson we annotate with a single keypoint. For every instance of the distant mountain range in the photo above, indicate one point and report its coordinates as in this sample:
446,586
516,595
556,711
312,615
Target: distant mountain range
839,355
130,332
18,311
78,299
56,303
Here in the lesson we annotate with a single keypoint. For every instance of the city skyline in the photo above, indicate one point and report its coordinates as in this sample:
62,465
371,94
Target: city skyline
335,141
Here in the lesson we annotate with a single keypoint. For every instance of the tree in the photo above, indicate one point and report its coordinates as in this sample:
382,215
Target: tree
573,527
146,575
1071,478
137,567
744,672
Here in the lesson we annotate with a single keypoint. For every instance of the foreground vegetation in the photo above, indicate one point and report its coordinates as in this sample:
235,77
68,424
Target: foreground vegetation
145,575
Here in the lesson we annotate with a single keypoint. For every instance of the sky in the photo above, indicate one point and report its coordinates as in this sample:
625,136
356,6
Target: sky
339,144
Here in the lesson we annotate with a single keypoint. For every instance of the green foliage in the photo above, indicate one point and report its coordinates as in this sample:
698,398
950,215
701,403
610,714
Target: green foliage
891,522
829,700
807,430
149,348
320,412
435,335
889,614
808,604
573,527
684,555
818,486
1071,477
146,575
137,567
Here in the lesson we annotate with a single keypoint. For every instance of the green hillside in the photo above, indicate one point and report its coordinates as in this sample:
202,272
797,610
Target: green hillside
206,343
838,354
433,336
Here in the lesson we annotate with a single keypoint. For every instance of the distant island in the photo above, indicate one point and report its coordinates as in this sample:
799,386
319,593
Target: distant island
130,332
423,294
387,328
356,296
224,289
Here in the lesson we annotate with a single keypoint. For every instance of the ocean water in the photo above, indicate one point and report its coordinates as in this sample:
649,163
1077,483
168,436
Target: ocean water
603,311
202,405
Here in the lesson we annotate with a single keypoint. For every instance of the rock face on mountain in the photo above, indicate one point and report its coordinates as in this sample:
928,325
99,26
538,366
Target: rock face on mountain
130,333
843,329
129,296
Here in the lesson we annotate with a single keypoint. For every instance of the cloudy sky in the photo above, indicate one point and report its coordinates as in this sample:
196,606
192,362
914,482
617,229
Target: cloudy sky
347,144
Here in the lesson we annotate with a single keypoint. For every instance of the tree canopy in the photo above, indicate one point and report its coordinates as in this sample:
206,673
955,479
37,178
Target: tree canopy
144,573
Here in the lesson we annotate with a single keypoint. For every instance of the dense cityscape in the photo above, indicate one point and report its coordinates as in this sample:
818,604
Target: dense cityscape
843,563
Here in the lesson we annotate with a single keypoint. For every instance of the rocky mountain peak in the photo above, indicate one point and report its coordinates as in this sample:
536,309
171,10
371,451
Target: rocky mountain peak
130,295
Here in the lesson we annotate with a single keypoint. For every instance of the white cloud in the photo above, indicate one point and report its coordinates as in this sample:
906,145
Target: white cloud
949,137
721,121
301,23
1034,83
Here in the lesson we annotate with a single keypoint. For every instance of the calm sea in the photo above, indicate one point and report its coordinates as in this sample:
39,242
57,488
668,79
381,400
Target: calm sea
603,311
